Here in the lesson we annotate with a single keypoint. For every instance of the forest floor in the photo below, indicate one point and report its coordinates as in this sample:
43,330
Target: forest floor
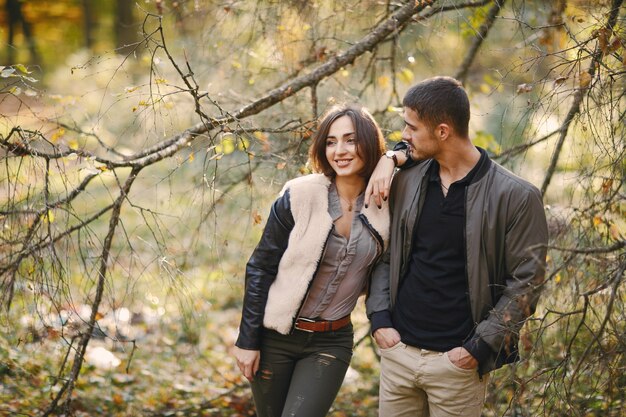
147,363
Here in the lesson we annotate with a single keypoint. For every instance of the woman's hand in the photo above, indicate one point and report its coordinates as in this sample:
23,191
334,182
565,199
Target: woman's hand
248,361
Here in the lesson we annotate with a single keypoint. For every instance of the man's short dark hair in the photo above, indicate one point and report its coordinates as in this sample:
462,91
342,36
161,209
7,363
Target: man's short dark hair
440,100
370,143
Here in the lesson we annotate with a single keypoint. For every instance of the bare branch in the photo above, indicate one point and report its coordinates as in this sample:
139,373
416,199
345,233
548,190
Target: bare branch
461,73
579,95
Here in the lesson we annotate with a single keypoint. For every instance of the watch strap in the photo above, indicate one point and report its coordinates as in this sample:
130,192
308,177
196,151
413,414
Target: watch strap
392,155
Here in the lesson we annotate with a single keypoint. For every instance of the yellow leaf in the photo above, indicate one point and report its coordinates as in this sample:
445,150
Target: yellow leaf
395,136
557,278
22,68
597,220
243,144
227,145
486,141
345,73
383,81
56,135
485,88
256,217
48,217
191,157
585,79
72,144
262,136
406,76
264,139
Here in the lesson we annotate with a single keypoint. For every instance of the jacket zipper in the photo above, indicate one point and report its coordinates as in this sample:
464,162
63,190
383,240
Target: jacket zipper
380,245
469,298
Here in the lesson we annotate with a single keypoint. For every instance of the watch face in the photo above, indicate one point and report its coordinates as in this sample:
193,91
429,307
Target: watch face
390,154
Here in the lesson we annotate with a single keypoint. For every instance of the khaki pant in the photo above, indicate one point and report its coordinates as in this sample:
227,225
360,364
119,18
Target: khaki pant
420,383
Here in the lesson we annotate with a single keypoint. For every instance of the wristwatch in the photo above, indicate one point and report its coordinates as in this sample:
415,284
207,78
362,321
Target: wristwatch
392,155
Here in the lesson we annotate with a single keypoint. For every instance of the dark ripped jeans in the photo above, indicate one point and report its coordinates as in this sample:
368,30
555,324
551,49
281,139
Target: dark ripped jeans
301,373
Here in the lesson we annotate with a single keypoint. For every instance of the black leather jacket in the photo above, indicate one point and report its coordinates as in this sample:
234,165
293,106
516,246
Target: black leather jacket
262,264
281,269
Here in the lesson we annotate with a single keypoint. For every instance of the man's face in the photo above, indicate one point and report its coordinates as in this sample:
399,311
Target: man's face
422,143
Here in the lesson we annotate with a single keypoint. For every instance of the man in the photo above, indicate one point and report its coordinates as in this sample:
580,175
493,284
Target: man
465,264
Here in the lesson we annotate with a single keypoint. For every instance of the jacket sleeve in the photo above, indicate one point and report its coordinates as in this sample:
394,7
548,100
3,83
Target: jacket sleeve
526,239
261,271
378,301
403,146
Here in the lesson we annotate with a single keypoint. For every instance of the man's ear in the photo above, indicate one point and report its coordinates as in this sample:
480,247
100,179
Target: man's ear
442,131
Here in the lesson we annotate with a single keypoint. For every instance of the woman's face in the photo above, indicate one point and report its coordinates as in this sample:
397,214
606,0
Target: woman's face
341,150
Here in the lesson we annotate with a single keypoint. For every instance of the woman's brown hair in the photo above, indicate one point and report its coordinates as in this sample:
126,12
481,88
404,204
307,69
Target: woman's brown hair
370,143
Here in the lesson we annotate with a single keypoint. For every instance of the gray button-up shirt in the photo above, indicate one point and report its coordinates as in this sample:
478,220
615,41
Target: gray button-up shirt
342,273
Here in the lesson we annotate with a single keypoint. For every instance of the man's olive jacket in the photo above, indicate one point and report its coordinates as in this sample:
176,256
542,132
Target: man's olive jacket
506,235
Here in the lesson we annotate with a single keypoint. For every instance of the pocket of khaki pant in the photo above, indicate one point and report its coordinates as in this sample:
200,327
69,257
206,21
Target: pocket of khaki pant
390,349
457,368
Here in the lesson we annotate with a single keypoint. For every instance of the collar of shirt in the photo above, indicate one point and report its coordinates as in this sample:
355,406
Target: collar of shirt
434,170
334,202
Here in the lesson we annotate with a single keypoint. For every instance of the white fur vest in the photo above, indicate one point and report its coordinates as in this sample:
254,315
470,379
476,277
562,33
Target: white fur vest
312,224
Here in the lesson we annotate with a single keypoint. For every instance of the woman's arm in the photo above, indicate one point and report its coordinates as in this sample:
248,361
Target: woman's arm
261,271
379,183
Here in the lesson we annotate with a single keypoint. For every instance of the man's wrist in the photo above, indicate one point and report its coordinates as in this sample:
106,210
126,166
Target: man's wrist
401,150
479,349
380,319
400,157
392,155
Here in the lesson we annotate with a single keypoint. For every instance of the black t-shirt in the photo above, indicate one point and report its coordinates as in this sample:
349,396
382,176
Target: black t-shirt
433,310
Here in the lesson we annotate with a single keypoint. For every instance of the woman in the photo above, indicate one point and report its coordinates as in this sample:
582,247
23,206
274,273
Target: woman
310,266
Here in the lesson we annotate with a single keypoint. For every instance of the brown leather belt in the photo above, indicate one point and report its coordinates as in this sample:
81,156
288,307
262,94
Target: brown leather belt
309,325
